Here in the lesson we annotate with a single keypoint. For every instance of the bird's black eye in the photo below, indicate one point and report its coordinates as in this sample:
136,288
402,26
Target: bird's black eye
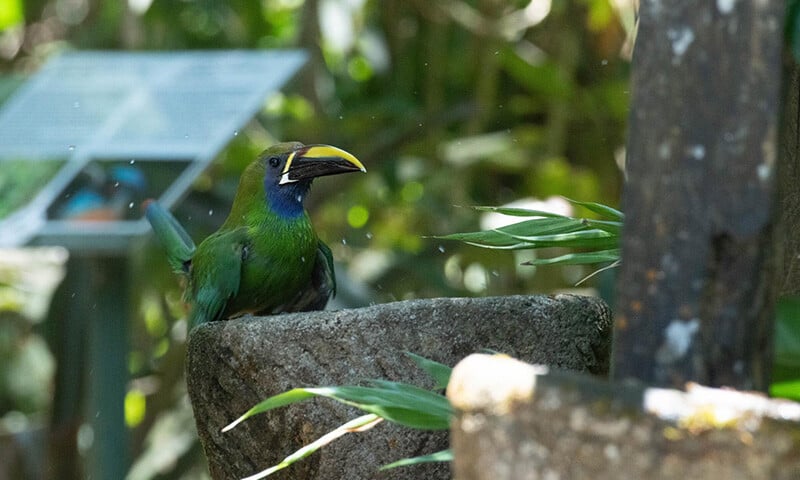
274,161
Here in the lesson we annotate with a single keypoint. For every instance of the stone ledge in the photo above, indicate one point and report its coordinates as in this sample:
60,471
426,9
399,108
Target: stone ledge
519,421
233,365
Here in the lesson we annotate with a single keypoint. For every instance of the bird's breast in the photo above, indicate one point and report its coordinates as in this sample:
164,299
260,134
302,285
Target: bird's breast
279,263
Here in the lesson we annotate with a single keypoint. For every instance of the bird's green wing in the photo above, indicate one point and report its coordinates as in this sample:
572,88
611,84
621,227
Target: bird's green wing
173,237
324,268
216,274
321,286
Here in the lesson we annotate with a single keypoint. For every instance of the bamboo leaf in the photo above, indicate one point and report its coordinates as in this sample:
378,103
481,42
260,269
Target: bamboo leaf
400,403
439,371
519,212
503,238
599,208
582,258
360,424
442,456
610,226
594,239
282,399
544,226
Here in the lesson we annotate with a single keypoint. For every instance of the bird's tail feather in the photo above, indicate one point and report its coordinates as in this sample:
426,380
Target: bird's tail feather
170,233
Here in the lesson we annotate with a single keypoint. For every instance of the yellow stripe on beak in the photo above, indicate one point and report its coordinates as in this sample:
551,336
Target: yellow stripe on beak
327,151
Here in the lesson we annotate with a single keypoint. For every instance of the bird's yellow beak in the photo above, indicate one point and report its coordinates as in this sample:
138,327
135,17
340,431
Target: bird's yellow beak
313,161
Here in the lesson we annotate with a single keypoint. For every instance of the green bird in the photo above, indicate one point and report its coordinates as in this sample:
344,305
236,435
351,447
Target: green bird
266,258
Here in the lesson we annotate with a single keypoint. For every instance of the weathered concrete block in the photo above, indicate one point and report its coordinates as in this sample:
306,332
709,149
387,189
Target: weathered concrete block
516,421
233,365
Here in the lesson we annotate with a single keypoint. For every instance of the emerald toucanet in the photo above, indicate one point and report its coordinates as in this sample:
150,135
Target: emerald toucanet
266,257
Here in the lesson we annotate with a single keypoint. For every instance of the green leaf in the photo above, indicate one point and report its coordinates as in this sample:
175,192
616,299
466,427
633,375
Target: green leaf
443,456
439,371
519,212
596,239
610,226
787,340
11,13
599,209
789,389
503,238
400,403
282,399
583,258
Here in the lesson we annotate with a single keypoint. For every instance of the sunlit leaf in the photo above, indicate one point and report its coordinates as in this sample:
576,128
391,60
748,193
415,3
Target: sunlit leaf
11,13
443,456
609,226
519,212
599,208
135,408
399,403
505,237
360,424
789,389
581,239
602,256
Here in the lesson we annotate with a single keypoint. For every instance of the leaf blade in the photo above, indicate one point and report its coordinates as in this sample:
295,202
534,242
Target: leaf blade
441,456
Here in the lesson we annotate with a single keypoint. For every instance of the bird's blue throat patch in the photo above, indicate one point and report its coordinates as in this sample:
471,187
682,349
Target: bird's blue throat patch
287,200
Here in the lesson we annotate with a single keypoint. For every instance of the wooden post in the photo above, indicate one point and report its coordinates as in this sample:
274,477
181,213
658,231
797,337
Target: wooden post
696,288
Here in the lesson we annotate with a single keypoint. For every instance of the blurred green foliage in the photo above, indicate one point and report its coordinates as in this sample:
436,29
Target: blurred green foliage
786,369
449,104
20,180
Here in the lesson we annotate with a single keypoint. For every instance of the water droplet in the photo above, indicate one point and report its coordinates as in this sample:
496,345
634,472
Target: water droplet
130,205
303,259
369,235
344,241
185,135
236,133
497,52
420,124
73,295
299,198
116,184
133,160
76,105
441,248
71,148
495,273
604,62
210,212
341,117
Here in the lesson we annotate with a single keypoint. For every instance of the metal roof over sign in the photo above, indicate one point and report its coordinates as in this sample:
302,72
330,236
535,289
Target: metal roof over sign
94,114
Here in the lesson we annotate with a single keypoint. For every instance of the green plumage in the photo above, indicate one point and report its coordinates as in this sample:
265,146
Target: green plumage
266,257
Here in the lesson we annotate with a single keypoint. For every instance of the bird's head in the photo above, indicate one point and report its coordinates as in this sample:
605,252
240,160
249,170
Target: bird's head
289,168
